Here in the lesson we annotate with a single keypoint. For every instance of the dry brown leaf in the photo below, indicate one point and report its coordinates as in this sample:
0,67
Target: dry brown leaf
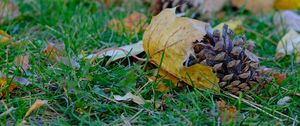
287,4
53,52
130,97
8,10
287,20
227,113
289,45
135,23
22,61
255,6
211,6
37,104
279,77
169,39
4,37
3,83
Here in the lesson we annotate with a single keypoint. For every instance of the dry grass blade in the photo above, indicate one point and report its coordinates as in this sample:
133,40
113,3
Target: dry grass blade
259,107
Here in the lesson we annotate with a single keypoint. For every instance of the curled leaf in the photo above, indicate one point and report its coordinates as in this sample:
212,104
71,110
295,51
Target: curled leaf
288,45
120,52
130,97
289,20
168,41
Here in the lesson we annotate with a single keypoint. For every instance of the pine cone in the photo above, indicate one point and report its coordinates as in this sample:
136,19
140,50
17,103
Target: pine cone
233,62
182,6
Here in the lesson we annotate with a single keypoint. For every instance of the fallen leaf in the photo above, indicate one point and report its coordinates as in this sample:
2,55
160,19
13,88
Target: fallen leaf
289,45
289,20
3,83
37,104
284,101
134,23
210,6
255,6
287,4
234,24
8,11
169,39
22,61
116,25
118,53
130,97
279,77
4,37
227,113
55,53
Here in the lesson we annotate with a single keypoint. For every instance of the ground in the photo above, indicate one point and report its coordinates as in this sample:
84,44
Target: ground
84,95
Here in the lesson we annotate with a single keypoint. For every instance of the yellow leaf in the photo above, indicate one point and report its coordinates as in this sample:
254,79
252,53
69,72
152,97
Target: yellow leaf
287,4
289,45
255,6
8,10
4,37
232,24
3,83
169,39
37,104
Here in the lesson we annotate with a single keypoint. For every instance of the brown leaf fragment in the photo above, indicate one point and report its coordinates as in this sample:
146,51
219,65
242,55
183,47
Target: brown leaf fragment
22,61
134,23
8,11
4,82
255,6
287,4
227,113
4,37
279,77
37,104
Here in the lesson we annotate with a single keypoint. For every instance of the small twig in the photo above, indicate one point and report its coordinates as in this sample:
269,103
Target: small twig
109,49
126,122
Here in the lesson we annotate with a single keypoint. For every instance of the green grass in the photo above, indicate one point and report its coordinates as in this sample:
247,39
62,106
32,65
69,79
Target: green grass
83,96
